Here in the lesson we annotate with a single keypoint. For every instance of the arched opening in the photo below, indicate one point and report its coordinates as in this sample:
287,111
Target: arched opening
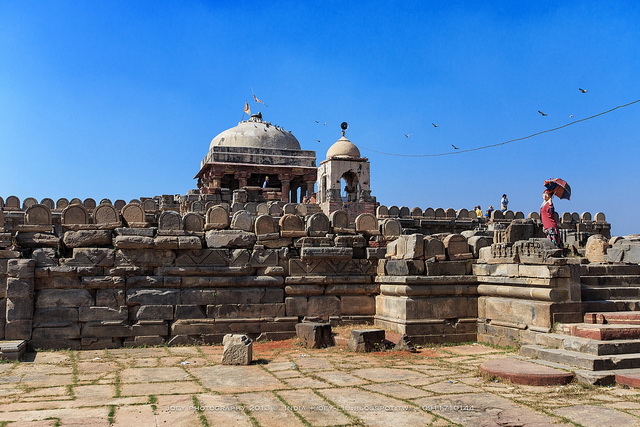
350,187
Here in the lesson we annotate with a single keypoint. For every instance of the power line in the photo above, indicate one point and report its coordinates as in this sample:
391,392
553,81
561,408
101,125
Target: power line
505,142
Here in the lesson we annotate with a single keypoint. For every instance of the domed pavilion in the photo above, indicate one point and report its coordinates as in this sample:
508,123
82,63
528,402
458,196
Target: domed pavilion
259,157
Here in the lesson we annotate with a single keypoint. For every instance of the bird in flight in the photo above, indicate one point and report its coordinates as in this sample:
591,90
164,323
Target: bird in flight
325,123
454,147
434,125
571,116
318,140
543,114
317,121
407,135
583,90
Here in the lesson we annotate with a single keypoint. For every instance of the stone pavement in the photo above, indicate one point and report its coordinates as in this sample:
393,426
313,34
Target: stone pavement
292,386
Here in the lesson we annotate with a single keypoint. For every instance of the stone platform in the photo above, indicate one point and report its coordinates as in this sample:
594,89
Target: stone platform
292,386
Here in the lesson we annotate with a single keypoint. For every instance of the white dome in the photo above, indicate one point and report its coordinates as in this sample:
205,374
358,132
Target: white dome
256,133
343,148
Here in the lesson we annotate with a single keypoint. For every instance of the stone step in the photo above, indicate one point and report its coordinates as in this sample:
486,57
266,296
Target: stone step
611,305
613,293
602,332
609,281
623,317
525,372
581,360
609,269
588,345
584,376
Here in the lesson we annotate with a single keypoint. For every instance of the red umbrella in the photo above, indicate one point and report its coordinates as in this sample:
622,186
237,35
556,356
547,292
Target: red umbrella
559,187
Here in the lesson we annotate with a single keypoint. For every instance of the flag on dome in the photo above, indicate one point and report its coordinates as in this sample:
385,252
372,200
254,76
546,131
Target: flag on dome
247,109
257,100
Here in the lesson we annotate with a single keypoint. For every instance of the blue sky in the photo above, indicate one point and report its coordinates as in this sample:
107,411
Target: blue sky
121,99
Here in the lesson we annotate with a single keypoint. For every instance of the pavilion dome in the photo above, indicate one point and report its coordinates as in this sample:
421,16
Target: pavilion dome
256,133
343,149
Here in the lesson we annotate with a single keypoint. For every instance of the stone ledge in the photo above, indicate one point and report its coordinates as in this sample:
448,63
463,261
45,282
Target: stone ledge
523,372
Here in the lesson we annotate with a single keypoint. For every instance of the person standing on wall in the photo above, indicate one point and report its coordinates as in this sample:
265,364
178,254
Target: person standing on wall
504,203
547,215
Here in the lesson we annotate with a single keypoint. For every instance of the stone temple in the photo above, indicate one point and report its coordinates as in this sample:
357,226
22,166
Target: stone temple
236,256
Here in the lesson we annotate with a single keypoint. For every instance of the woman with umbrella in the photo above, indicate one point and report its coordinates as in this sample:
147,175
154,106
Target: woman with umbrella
561,189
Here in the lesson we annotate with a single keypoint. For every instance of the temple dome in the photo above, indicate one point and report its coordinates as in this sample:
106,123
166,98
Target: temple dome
343,148
256,133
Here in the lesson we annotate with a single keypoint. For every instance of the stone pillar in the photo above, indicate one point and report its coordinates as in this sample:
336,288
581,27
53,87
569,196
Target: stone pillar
242,178
285,189
310,185
20,298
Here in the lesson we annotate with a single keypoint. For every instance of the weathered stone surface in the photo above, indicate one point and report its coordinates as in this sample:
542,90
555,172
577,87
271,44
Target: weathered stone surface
318,225
44,257
155,312
357,305
291,226
448,268
105,214
170,220
133,215
456,246
106,329
189,312
401,267
245,310
144,258
89,314
296,306
133,242
38,214
323,306
113,298
28,239
310,253
367,224
19,288
19,308
48,298
87,238
144,232
153,296
230,239
75,215
434,248
265,225
217,218
55,316
365,340
523,372
596,416
356,241
596,249
315,335
193,222
203,257
391,229
242,220
166,242
238,350
90,257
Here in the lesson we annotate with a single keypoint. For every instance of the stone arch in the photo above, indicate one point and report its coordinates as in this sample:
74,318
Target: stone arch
367,224
170,220
12,203
416,212
339,219
429,213
28,202
48,203
133,214
75,201
318,225
265,224
291,226
119,204
106,214
62,203
38,215
89,204
382,211
394,211
217,218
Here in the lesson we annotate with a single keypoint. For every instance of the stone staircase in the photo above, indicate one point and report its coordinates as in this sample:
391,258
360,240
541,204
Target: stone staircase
608,341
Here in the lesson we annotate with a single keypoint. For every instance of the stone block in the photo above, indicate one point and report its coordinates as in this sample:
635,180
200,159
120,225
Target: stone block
356,241
400,267
238,350
315,335
245,310
193,327
189,243
147,328
100,257
98,314
19,288
153,296
72,331
113,298
144,257
106,329
448,268
414,246
55,316
134,242
230,239
366,340
332,253
144,232
149,340
154,312
48,298
166,242
357,305
19,309
456,245
596,249
323,306
296,306
87,238
29,239
21,268
183,311
101,282
203,257
17,330
45,257
434,248
92,343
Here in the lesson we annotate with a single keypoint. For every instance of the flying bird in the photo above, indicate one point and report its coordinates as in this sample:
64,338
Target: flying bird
317,121
583,90
454,147
318,140
407,135
325,123
543,114
434,125
571,116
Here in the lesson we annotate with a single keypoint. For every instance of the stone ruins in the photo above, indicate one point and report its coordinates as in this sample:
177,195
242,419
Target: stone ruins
243,255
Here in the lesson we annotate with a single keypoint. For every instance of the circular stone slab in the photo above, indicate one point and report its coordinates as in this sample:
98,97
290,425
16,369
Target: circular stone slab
523,372
630,379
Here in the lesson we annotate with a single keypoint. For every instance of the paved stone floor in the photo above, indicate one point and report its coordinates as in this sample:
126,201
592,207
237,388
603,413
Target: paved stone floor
292,386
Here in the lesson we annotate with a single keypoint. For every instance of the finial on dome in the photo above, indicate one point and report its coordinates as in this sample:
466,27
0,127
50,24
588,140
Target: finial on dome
344,126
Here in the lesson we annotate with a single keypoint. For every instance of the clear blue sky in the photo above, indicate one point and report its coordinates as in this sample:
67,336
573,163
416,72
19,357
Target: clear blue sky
120,99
